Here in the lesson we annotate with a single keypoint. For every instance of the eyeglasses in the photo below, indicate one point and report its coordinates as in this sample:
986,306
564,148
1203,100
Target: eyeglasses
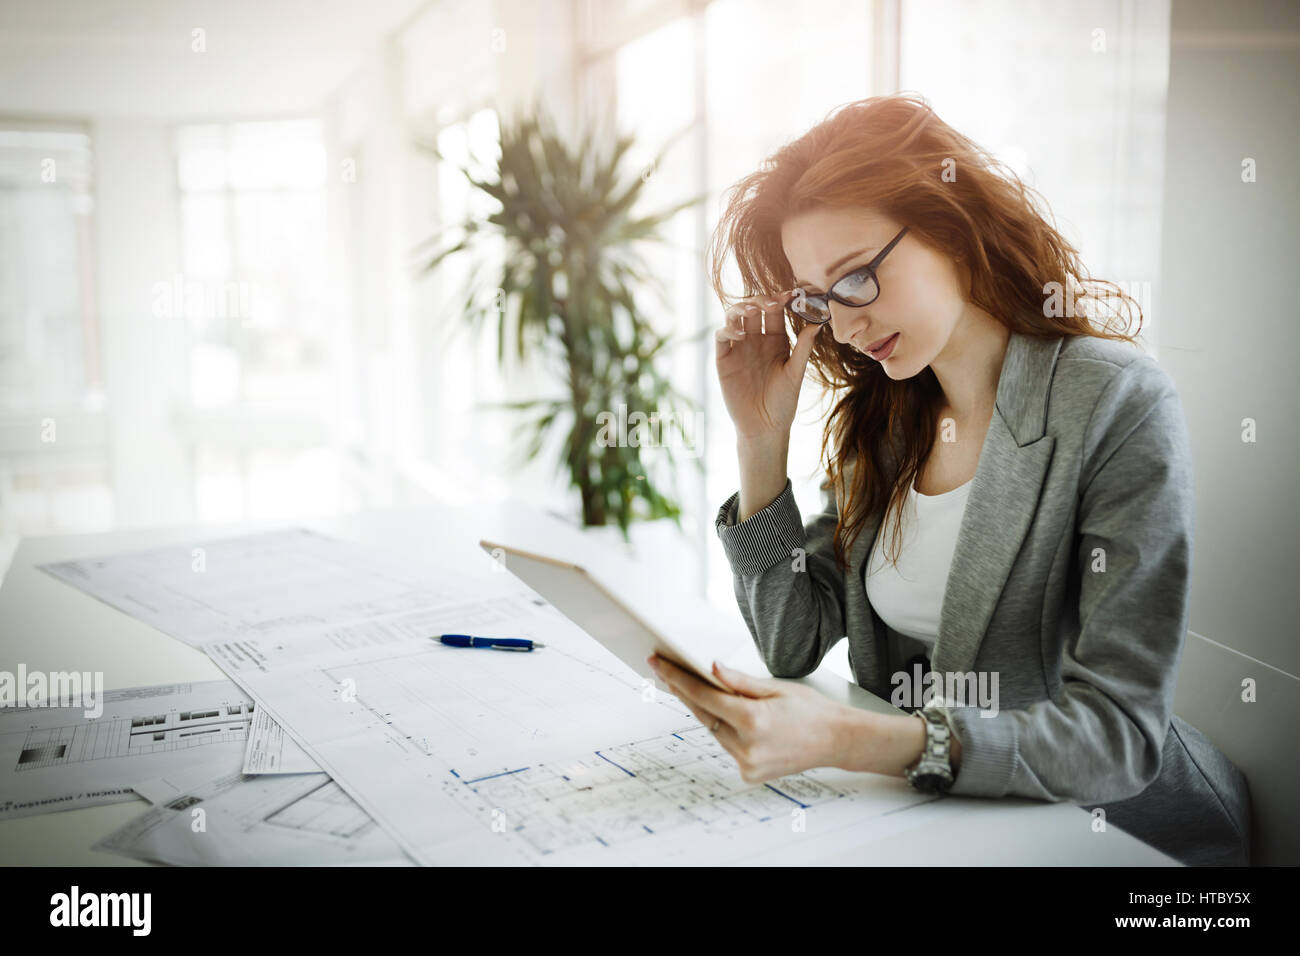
856,289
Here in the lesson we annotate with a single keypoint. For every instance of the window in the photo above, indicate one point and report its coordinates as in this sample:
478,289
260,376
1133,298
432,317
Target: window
474,447
736,75
48,333
53,456
252,212
254,297
762,94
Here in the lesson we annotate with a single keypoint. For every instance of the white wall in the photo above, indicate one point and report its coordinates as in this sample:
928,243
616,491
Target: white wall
1228,338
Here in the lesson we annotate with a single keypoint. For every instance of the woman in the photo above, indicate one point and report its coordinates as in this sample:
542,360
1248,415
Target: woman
1032,473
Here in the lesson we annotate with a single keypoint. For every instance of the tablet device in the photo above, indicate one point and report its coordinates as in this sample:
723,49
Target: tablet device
594,606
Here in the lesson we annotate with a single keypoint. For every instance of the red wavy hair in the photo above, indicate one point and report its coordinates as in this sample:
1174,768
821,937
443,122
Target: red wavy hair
889,153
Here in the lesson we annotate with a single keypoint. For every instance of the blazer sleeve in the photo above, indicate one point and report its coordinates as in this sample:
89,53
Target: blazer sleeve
790,591
1102,737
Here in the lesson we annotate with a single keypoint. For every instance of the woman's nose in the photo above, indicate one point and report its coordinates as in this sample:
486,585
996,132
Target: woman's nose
843,322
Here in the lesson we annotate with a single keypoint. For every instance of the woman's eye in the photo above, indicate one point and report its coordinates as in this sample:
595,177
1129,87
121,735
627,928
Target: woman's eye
856,280
860,288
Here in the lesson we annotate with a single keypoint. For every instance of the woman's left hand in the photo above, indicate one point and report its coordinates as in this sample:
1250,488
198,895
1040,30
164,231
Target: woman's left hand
773,728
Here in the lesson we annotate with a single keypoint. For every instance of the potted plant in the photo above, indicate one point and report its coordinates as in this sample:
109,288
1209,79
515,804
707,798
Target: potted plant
568,290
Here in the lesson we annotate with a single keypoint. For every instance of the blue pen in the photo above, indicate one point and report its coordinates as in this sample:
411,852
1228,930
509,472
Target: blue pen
502,643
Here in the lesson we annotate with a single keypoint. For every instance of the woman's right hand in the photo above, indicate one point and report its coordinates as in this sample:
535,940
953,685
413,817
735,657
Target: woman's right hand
759,373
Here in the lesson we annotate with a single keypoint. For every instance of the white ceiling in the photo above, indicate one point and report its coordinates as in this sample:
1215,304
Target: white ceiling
85,58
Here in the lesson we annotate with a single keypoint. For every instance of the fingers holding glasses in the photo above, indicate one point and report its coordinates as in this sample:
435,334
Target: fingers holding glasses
734,322
759,314
751,318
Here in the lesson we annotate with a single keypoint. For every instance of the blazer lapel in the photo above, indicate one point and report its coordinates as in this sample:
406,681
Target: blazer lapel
1002,500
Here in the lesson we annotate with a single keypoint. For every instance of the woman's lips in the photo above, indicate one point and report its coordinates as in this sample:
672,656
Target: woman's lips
881,348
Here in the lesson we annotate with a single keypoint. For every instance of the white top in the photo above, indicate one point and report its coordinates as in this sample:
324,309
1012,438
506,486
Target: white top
909,597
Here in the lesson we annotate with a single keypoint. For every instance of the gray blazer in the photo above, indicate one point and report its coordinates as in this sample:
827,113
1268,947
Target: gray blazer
1087,449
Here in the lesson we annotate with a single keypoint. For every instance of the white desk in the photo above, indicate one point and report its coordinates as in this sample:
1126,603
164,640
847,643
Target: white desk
48,625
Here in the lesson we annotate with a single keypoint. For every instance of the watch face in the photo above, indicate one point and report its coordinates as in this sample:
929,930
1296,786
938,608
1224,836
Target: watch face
930,782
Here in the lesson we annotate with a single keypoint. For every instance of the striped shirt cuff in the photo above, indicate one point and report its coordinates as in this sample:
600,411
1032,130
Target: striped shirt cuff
990,751
765,538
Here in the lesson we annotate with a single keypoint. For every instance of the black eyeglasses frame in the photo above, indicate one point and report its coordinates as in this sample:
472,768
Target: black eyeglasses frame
824,298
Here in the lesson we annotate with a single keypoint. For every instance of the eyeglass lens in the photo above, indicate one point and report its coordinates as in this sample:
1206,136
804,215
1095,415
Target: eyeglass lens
857,289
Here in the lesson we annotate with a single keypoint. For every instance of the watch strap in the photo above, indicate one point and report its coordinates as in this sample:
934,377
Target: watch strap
932,772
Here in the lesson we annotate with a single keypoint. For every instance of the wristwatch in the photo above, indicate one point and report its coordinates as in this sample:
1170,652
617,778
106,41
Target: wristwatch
932,772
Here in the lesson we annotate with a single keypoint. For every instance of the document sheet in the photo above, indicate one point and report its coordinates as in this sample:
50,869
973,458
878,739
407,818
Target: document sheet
557,756
287,582
269,820
55,758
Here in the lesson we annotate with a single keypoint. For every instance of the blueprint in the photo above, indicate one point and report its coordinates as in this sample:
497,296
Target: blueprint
556,757
288,583
54,758
559,756
284,583
272,820
672,800
270,750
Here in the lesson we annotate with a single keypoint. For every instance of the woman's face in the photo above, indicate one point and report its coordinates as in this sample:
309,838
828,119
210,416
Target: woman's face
921,296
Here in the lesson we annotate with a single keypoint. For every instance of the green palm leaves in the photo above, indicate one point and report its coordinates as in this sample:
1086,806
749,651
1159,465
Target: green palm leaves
567,291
